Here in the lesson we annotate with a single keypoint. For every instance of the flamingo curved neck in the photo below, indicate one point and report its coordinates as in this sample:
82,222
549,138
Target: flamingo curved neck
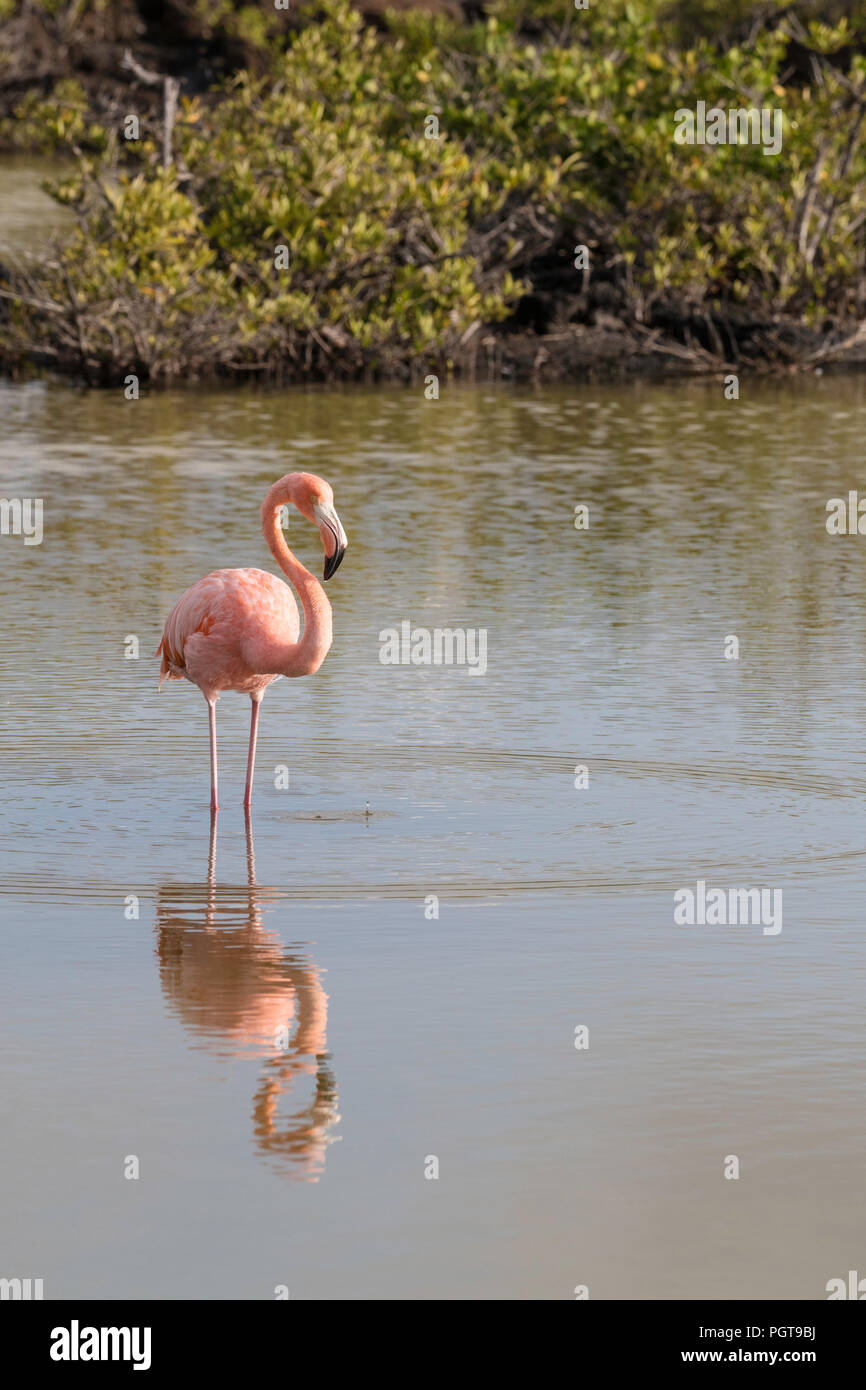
305,657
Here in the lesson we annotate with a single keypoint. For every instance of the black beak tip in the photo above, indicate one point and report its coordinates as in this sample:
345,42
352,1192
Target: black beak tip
332,562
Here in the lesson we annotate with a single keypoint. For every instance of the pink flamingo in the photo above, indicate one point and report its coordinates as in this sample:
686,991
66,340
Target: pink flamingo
239,629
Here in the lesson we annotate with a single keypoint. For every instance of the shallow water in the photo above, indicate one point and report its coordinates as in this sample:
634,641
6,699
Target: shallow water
409,1036
28,215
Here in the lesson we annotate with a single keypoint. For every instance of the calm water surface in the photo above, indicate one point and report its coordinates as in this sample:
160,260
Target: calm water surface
302,1162
28,215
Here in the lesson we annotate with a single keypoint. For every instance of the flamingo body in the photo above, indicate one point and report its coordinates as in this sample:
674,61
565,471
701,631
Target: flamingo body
215,629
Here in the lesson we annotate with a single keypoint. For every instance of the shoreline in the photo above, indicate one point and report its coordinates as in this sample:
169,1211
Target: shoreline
576,354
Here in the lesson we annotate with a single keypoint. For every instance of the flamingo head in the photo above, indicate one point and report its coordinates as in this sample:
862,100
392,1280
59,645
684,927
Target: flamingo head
314,499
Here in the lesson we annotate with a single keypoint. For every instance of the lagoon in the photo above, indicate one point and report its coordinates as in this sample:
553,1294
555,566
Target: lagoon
146,963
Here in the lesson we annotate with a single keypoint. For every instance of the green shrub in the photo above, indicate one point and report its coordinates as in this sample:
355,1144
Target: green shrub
400,247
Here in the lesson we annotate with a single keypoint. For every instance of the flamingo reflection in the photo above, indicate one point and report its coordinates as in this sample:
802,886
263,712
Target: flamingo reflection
233,982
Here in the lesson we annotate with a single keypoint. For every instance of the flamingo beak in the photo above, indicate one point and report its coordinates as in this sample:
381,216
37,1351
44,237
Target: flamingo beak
333,536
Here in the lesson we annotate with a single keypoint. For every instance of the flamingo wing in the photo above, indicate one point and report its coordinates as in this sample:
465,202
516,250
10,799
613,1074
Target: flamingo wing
205,632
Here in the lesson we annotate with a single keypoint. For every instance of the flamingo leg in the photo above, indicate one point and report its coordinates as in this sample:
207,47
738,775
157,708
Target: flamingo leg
251,757
211,714
210,913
